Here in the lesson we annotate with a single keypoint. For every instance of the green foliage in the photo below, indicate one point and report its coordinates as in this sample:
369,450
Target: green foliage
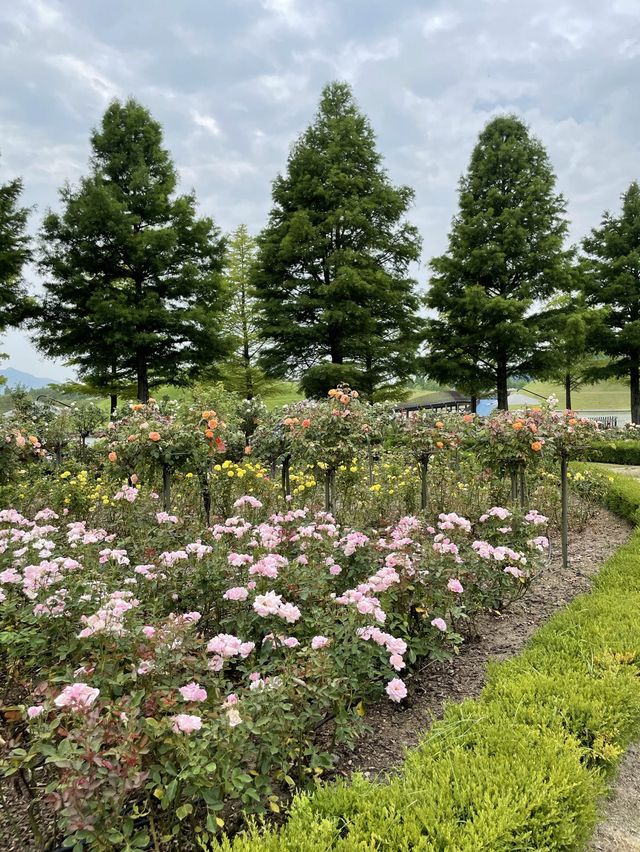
241,372
505,251
133,287
332,275
613,267
522,766
617,451
569,361
622,495
15,304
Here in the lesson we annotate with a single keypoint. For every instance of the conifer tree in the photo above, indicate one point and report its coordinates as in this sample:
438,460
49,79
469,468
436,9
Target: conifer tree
133,276
15,304
332,275
613,283
505,252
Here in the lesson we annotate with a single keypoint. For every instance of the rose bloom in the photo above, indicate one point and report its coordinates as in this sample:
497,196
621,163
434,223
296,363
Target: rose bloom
193,692
185,724
536,446
113,457
34,711
440,624
396,689
455,586
77,696
154,436
319,642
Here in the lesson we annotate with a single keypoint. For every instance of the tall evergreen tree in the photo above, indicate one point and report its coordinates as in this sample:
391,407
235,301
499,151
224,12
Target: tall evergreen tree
133,276
241,372
613,283
332,275
505,252
15,304
569,360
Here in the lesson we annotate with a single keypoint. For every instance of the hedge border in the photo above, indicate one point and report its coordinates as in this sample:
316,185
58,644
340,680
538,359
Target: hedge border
614,451
521,767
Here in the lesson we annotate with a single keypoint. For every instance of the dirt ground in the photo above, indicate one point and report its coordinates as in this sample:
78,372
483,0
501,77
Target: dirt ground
396,728
619,830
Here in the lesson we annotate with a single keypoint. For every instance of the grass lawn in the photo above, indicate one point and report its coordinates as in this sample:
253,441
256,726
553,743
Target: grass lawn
605,395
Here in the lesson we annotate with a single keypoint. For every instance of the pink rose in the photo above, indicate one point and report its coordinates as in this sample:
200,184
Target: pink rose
396,689
455,586
185,724
193,692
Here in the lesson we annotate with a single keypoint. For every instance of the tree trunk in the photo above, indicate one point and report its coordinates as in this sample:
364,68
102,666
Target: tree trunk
501,386
330,491
424,483
113,404
166,487
564,485
567,391
634,381
143,378
474,404
286,484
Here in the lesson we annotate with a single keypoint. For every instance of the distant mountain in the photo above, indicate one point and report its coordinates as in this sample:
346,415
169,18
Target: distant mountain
18,377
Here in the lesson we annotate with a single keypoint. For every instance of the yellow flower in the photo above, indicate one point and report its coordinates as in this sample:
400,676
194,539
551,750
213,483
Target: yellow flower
217,467
353,469
188,476
240,473
65,475
230,473
375,487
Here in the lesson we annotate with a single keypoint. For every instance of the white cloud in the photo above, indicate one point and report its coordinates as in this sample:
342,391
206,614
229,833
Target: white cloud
207,122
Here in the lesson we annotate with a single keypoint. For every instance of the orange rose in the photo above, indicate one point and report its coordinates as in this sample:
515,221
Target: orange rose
536,446
572,421
138,406
132,438
113,457
213,424
439,445
33,439
518,425
533,428
208,434
439,424
134,478
154,436
248,451
468,418
333,392
306,423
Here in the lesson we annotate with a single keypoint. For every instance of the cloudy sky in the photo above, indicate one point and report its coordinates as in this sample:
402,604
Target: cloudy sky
234,81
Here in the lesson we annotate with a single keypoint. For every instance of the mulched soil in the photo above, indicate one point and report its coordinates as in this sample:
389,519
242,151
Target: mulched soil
395,728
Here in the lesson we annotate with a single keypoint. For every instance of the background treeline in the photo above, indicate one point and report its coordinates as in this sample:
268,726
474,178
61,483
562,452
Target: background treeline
140,290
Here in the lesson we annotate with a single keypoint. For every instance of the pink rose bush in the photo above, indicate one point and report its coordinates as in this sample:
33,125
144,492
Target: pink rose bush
234,645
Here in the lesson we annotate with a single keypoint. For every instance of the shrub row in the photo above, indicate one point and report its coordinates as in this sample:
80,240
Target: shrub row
521,767
621,494
622,451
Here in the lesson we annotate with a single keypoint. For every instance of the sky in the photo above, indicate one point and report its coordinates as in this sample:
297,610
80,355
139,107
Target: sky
234,82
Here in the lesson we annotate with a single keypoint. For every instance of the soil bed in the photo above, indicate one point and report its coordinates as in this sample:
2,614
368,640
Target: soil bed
395,728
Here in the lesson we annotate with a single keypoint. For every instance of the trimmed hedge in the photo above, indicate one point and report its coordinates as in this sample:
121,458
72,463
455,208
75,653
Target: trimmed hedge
621,495
623,451
521,767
